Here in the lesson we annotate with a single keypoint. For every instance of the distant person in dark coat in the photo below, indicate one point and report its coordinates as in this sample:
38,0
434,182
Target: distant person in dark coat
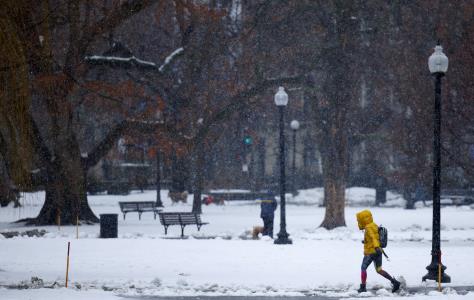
267,213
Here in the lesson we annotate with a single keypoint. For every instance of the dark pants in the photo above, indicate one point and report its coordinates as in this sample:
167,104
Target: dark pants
377,260
368,259
268,226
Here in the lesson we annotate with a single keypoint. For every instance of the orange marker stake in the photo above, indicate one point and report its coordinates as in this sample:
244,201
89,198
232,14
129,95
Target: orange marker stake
439,272
67,262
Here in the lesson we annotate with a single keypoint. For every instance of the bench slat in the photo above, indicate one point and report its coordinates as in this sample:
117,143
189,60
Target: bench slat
143,205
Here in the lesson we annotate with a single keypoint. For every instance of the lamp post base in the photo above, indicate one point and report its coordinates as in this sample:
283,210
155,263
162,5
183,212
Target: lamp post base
283,239
434,273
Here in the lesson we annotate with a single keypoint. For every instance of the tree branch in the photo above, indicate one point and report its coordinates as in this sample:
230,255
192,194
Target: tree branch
112,20
126,126
243,99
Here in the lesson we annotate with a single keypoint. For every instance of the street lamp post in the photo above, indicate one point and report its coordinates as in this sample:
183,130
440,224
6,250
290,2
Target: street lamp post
438,65
295,125
281,100
159,203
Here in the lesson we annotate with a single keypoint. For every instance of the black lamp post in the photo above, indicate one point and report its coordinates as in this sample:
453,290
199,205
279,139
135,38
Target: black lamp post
438,65
159,203
295,125
281,100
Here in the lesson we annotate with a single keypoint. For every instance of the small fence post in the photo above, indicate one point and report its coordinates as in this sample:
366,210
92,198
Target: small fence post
67,262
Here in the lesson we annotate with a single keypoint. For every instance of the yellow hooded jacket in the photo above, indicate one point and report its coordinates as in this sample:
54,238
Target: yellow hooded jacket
371,235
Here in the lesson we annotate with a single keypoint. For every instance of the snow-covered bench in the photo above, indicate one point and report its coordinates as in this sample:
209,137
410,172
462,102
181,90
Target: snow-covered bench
180,218
139,207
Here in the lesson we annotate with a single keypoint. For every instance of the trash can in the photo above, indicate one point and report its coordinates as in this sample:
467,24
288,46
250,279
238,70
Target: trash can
108,226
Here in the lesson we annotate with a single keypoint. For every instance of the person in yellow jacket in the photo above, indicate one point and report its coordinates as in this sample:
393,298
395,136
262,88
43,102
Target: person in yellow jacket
372,250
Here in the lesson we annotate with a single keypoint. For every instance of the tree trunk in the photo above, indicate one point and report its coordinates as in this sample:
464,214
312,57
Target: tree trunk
179,174
334,193
66,196
66,186
198,178
260,172
7,193
335,105
380,191
335,164
410,201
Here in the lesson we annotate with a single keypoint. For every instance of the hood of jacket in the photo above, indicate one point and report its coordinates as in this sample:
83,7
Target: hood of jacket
364,218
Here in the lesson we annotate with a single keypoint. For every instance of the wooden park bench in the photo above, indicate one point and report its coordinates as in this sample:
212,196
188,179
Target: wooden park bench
180,218
139,207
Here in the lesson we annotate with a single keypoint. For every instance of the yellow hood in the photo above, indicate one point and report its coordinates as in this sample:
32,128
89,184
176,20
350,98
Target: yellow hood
364,218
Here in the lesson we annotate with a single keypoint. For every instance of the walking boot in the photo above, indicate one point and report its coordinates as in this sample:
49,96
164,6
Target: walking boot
396,285
362,288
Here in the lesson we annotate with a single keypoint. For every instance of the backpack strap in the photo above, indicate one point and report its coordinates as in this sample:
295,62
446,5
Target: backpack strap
385,254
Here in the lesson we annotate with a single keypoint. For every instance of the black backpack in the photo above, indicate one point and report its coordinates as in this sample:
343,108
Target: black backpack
383,236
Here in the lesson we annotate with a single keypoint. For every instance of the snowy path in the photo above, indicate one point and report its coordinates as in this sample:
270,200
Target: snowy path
220,261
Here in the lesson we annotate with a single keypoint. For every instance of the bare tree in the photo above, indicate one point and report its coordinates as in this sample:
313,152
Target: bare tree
52,39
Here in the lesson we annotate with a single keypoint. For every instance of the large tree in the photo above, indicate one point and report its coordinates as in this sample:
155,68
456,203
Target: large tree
50,41
327,43
209,85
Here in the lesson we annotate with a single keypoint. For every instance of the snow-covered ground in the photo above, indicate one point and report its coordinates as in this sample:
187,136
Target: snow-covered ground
221,259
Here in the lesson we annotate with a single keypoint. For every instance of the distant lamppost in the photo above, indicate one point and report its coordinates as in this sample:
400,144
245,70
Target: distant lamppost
281,100
159,203
438,65
295,125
